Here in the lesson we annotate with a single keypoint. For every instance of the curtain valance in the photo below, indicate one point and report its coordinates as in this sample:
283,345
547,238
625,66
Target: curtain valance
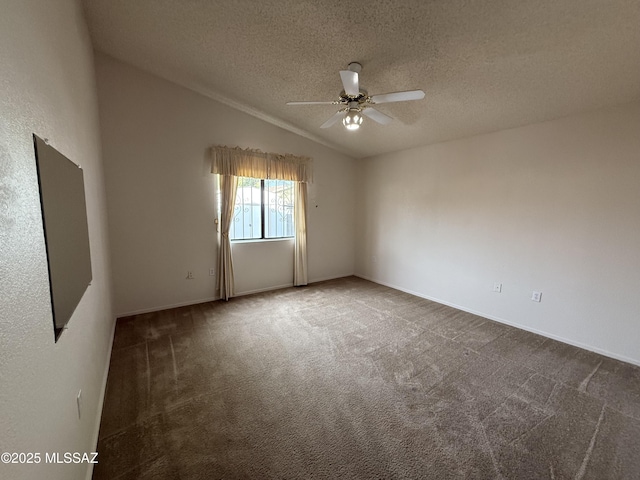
256,164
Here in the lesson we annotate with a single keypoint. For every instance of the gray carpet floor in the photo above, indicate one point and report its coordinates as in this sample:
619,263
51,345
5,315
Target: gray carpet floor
350,379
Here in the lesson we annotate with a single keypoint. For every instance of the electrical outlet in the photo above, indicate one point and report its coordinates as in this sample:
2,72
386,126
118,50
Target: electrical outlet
79,403
537,296
497,287
212,272
189,275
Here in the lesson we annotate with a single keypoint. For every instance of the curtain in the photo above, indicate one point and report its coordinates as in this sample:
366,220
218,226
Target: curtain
256,164
228,188
300,249
233,162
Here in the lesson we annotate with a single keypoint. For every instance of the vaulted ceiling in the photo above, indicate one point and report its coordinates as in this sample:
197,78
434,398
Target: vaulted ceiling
484,65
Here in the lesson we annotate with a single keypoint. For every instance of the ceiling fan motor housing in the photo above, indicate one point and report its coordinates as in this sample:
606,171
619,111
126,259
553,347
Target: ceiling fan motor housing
360,99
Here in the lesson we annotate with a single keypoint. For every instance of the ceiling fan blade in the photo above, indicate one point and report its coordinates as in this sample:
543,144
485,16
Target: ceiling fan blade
398,96
337,116
312,103
350,82
377,116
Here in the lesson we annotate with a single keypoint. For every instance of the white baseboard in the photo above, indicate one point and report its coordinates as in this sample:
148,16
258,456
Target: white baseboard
288,285
332,277
266,289
103,393
213,299
584,346
167,307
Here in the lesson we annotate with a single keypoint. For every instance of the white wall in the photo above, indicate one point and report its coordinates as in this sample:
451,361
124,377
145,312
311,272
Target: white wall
161,194
48,88
275,259
553,207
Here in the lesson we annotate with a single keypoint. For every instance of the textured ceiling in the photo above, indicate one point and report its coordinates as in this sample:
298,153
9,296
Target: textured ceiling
484,65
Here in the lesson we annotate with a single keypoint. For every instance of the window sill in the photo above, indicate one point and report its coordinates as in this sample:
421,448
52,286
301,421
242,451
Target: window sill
263,240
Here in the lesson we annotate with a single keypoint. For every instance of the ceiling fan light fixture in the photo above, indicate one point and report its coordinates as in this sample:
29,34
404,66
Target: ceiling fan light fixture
353,119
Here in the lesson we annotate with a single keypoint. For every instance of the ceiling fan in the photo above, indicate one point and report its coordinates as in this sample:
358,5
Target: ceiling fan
356,102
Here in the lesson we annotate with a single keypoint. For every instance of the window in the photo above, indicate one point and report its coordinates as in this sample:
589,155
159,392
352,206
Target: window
263,209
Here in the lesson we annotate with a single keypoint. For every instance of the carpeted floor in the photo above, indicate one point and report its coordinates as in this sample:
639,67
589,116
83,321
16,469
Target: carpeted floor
350,379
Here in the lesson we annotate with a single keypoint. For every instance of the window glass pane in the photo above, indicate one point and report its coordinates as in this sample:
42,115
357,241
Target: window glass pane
278,213
246,222
278,209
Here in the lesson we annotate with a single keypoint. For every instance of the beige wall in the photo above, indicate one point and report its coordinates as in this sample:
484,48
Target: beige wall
161,194
47,87
553,207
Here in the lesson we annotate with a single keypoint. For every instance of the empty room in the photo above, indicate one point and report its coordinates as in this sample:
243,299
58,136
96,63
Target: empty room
319,239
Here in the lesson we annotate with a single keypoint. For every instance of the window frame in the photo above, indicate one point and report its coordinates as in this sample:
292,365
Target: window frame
263,193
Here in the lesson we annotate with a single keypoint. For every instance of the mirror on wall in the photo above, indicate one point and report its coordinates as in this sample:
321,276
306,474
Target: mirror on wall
66,232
